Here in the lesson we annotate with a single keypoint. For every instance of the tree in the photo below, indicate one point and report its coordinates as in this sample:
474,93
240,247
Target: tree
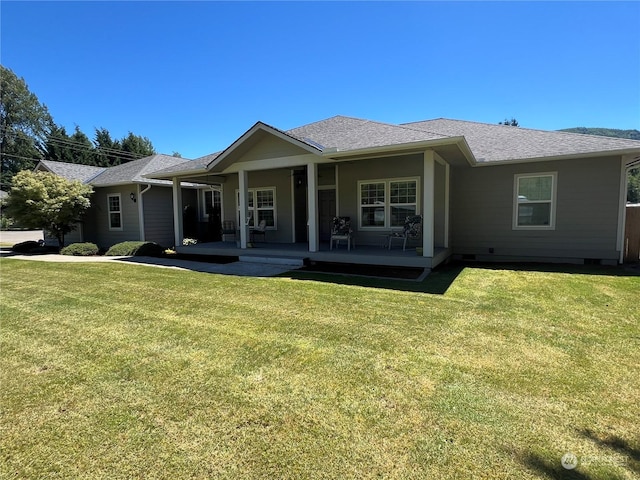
24,126
45,200
512,123
107,150
136,144
57,147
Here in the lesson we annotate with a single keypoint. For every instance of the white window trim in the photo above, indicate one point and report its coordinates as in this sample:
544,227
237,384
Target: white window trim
552,210
203,200
252,192
387,205
109,211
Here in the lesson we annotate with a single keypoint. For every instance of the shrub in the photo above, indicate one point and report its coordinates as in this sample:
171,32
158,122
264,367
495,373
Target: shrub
80,249
147,249
25,247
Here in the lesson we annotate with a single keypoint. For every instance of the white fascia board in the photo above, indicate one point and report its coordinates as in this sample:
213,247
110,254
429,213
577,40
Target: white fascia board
402,148
273,163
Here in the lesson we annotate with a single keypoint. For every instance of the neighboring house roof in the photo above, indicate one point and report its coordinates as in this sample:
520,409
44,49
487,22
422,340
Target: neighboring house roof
72,171
493,143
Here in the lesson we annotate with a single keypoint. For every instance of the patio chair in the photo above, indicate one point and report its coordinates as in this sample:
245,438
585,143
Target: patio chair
412,229
341,230
261,229
229,228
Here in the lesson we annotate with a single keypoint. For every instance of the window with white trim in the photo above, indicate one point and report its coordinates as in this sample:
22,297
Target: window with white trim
535,201
211,199
115,211
261,204
387,203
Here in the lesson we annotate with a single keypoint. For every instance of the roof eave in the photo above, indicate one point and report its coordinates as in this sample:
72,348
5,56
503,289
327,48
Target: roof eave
571,156
460,141
177,173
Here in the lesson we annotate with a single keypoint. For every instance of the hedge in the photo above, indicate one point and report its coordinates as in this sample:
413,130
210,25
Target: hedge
80,249
146,249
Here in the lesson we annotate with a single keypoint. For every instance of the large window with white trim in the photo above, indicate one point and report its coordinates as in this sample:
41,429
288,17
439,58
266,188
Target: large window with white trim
261,203
535,201
114,208
387,203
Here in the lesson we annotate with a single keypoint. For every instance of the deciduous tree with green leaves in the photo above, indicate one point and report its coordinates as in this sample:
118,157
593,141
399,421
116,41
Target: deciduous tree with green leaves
25,124
45,200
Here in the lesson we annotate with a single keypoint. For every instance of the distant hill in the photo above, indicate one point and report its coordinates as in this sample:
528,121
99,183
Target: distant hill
606,132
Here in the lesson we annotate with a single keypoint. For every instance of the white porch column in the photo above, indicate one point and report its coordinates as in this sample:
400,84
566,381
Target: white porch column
312,202
428,197
177,212
243,182
447,173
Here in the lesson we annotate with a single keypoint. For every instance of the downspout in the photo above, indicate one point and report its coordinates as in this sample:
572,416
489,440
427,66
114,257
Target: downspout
141,209
624,183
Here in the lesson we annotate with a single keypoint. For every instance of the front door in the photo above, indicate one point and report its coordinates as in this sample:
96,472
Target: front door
300,205
326,212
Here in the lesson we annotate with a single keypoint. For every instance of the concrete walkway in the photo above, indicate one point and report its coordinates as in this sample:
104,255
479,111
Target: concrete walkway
244,269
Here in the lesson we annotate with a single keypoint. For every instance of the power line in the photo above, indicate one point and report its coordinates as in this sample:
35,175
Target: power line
87,148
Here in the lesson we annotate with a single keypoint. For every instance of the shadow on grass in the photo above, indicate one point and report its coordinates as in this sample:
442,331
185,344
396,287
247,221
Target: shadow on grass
442,277
552,469
630,453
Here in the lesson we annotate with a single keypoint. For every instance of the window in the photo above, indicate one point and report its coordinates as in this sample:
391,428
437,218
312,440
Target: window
387,203
115,212
212,200
261,205
535,201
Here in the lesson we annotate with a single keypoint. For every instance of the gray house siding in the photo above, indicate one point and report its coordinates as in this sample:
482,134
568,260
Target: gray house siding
96,226
350,173
158,213
278,178
586,211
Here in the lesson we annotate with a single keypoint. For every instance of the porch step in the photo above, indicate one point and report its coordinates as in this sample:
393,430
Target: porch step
291,261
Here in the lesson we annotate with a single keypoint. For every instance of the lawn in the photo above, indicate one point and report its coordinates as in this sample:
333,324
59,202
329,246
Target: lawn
123,371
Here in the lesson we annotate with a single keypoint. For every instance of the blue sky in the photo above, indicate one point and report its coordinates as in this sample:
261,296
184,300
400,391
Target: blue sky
194,76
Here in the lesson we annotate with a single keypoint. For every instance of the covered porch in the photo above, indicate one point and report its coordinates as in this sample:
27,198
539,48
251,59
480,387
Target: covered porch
280,253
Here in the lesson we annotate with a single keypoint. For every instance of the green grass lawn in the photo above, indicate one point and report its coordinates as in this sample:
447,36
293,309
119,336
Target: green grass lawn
122,371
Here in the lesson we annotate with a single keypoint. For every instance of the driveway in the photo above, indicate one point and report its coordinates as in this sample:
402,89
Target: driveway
16,236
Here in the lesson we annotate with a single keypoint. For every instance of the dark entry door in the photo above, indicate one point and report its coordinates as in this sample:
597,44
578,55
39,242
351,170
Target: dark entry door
300,205
326,212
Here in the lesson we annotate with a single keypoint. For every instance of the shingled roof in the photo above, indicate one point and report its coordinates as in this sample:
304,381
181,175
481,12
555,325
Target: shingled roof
487,142
347,133
133,172
73,171
494,143
130,172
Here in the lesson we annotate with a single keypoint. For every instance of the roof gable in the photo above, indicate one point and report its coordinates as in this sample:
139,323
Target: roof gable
347,133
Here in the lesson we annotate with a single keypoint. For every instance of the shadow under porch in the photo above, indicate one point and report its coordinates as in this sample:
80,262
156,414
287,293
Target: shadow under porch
363,254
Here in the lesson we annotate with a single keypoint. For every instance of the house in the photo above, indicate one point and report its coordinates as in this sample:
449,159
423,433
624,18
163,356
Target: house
485,192
125,204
